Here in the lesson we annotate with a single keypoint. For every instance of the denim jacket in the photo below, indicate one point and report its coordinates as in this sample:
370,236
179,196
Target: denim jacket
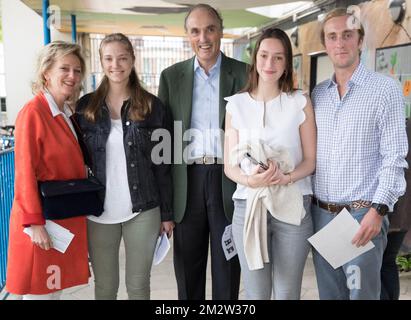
149,183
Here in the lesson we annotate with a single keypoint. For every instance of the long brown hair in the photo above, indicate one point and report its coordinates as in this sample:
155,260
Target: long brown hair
140,99
286,80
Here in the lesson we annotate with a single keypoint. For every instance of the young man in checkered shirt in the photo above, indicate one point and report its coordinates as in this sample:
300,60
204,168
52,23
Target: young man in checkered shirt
361,151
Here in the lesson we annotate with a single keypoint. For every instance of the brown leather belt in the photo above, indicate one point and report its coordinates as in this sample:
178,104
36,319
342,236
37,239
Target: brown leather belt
336,208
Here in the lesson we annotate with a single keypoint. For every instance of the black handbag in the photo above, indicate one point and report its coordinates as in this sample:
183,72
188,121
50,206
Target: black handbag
62,199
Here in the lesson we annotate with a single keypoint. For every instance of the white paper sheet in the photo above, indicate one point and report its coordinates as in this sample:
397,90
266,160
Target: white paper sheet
227,242
333,241
162,247
60,236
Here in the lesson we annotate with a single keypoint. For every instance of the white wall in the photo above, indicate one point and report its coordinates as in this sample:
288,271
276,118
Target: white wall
23,39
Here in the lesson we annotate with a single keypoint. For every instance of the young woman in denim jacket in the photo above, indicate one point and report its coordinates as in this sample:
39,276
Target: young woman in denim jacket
117,121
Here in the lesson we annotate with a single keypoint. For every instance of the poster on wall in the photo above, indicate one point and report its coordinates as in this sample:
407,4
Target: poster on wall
395,61
298,71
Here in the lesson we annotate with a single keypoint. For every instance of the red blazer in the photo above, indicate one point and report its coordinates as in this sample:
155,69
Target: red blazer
45,149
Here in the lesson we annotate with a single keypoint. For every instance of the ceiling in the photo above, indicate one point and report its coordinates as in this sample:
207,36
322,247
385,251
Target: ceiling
147,17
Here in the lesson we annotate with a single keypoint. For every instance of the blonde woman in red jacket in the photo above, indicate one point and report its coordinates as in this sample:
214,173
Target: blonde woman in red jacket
47,149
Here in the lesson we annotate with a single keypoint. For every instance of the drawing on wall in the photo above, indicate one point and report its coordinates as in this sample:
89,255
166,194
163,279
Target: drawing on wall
395,61
298,71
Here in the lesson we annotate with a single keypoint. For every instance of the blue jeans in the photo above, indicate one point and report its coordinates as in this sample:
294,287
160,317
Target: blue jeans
287,248
358,279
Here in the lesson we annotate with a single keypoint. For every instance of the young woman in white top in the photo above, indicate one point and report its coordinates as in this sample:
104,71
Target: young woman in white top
272,111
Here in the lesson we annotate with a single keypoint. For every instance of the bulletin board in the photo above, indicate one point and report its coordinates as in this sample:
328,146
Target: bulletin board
395,61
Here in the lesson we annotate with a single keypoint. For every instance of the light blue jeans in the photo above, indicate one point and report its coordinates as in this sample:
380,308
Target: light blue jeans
287,248
360,278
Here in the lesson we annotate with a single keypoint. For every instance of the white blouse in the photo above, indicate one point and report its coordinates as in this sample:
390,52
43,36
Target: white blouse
277,123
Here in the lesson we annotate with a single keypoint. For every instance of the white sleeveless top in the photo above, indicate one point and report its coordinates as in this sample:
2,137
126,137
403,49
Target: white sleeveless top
277,125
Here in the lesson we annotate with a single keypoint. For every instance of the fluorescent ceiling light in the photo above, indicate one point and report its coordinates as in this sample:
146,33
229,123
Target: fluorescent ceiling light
278,10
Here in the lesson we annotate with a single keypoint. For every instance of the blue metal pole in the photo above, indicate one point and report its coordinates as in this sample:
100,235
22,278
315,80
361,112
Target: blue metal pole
46,29
93,82
73,28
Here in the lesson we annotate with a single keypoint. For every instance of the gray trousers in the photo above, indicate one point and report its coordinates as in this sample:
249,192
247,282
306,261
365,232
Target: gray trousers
288,250
140,236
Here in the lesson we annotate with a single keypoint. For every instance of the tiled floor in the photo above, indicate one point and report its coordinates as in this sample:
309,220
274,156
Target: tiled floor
163,284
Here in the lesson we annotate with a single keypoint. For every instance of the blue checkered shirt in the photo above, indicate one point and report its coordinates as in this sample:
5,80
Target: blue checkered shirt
362,142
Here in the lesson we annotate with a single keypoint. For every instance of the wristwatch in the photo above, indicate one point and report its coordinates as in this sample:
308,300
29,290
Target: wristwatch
382,209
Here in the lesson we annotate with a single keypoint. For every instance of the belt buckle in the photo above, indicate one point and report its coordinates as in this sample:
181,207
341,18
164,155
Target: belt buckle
331,207
205,160
335,208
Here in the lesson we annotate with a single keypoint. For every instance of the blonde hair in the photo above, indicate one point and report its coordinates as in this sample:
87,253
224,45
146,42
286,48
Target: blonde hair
338,12
49,55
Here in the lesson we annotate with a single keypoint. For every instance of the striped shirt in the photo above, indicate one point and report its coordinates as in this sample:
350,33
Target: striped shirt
362,142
